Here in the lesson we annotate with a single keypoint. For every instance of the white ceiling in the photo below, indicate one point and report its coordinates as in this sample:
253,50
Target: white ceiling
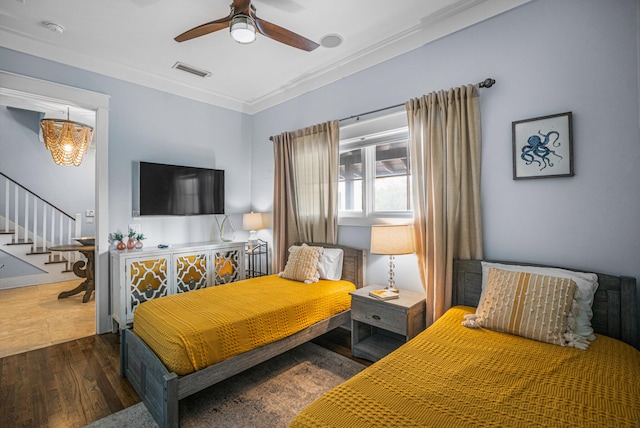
133,40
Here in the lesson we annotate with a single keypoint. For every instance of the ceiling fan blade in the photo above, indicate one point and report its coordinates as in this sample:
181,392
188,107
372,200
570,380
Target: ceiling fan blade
285,36
203,29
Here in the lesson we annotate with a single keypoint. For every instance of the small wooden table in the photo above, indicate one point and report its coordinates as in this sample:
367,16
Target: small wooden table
379,327
80,268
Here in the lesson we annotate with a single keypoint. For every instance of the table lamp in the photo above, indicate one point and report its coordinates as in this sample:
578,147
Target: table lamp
392,240
252,222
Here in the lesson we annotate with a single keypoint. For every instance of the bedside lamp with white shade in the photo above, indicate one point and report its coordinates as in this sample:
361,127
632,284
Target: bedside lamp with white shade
392,240
252,222
257,250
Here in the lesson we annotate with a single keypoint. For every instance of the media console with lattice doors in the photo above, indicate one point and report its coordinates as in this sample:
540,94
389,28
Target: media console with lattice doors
149,273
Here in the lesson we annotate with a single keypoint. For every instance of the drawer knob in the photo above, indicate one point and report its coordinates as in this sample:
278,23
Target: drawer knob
376,317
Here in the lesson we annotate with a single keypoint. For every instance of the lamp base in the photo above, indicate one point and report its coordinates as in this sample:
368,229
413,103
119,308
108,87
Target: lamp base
391,285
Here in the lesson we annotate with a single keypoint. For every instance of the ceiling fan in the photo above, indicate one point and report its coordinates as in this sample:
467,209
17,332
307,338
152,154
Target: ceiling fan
243,23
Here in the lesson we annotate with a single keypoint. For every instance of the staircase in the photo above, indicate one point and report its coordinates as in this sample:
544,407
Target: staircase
29,225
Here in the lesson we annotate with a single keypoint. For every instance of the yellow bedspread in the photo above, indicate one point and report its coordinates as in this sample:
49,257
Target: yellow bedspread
194,330
453,376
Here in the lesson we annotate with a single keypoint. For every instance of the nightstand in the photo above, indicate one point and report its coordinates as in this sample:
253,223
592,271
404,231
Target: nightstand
379,327
257,259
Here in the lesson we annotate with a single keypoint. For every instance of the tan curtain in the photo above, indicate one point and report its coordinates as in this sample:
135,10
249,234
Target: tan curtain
305,206
284,225
445,146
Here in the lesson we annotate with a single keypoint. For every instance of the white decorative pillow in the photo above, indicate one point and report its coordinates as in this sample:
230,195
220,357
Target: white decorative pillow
330,264
302,264
587,284
526,304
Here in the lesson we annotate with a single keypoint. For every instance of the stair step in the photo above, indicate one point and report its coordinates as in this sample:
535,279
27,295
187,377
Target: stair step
21,242
2,232
55,259
39,250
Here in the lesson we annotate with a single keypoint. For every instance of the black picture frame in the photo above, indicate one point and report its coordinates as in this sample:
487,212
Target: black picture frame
543,147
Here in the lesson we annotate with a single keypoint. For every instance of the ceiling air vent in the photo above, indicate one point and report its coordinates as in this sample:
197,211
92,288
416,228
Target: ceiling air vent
190,69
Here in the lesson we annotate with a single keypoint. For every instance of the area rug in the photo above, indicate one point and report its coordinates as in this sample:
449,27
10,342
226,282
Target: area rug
268,395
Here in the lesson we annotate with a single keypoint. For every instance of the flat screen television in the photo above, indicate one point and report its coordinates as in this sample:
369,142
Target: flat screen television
162,190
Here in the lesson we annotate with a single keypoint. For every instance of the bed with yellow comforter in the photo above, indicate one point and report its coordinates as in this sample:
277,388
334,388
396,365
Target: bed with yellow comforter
194,330
453,376
183,343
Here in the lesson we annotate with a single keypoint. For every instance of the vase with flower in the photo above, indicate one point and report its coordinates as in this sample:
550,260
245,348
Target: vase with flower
118,237
139,238
131,243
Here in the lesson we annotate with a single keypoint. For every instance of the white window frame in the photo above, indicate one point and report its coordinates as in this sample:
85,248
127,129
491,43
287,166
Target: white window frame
366,135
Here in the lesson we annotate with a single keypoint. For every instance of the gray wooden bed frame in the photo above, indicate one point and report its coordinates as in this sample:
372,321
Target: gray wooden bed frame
615,310
161,390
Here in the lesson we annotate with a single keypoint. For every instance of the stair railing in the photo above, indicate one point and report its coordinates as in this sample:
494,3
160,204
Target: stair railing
35,220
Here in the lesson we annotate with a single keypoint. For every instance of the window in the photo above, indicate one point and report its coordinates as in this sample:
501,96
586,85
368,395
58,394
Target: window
392,191
375,177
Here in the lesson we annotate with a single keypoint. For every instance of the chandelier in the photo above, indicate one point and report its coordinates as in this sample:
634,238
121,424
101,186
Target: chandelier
68,141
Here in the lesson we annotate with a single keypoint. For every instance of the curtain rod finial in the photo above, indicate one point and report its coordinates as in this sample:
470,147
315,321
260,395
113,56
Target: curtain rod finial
487,83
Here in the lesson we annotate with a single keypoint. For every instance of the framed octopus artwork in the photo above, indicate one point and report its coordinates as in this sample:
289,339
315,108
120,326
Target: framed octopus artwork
543,147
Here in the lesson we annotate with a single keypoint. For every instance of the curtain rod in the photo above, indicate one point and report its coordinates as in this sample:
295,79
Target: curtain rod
486,83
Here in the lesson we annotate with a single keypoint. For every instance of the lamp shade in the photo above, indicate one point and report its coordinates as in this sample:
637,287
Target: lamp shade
252,221
391,240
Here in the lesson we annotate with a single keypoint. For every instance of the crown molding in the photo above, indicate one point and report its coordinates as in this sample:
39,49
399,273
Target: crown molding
456,17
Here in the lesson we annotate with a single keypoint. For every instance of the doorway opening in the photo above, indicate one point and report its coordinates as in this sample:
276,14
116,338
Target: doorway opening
35,90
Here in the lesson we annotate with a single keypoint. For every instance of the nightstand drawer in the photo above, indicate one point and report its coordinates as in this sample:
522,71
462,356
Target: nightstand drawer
380,314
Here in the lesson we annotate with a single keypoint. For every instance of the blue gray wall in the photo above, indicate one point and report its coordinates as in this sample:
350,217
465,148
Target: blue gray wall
148,125
26,160
547,57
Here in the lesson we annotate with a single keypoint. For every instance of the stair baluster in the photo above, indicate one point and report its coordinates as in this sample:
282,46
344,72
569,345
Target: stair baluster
35,226
6,206
15,217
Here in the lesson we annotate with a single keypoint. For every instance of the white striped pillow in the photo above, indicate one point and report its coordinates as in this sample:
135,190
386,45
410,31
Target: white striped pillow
526,304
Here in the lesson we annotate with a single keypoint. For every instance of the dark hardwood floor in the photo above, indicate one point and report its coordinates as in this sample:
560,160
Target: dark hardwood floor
75,383
65,385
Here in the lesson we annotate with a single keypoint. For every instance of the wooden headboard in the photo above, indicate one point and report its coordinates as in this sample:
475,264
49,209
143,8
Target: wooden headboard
354,263
614,305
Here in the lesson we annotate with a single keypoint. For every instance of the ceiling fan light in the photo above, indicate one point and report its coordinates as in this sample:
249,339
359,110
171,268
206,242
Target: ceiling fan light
243,29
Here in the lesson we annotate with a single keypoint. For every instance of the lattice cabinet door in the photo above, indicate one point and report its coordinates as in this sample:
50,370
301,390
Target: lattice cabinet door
146,279
149,273
228,265
191,271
